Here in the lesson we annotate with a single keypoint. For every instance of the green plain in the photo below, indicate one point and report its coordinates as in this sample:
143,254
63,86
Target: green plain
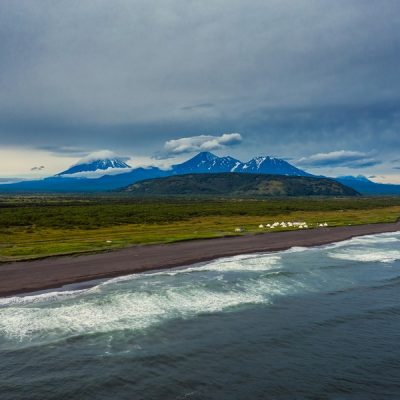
40,226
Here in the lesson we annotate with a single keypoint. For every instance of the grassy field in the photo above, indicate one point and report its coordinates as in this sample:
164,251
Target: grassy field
40,226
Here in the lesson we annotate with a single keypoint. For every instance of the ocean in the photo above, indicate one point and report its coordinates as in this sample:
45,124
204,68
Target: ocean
306,323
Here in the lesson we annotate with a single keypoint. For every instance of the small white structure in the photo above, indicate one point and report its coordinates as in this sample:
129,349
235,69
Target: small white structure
108,241
298,223
261,226
289,224
239,229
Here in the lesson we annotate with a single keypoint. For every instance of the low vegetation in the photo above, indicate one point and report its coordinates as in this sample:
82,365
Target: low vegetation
39,226
240,185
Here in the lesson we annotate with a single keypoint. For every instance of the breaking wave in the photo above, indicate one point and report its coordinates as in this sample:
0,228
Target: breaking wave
138,302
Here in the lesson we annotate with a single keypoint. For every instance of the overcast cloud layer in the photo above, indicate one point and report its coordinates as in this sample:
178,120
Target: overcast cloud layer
294,78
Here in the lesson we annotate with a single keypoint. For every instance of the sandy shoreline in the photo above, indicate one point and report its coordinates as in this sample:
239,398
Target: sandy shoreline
54,272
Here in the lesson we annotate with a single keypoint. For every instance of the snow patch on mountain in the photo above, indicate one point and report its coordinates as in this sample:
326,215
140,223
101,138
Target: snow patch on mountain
98,155
97,164
205,162
269,165
97,173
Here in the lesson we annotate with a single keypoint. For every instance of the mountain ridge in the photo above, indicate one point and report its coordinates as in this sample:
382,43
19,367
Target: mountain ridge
368,187
266,164
205,162
239,184
119,174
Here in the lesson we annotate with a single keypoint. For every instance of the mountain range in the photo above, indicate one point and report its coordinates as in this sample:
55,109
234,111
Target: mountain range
206,162
104,174
367,187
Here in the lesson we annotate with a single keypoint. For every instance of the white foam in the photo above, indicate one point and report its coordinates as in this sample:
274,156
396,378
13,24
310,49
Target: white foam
366,248
241,263
382,238
237,263
114,311
44,297
147,299
297,249
365,255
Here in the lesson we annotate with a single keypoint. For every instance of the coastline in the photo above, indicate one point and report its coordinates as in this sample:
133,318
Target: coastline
54,272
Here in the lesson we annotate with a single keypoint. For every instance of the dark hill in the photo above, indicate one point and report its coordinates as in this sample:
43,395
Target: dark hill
239,184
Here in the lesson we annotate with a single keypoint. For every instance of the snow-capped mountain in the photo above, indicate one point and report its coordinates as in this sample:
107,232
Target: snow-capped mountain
112,172
93,165
269,165
206,162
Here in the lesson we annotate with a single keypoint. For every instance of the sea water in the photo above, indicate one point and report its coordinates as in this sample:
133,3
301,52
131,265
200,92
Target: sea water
306,323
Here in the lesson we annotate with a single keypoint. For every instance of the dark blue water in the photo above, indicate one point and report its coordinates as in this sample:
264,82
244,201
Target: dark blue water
320,323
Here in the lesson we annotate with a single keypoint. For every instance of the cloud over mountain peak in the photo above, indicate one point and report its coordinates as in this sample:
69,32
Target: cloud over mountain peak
202,143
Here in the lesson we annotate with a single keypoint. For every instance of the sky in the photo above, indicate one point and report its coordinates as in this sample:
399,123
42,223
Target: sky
315,82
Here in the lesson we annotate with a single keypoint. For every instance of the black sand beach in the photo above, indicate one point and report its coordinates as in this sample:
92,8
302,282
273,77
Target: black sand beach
30,276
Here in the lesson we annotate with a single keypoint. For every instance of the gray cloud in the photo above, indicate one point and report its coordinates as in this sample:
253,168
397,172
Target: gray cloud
341,158
201,143
198,106
100,155
64,151
294,78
